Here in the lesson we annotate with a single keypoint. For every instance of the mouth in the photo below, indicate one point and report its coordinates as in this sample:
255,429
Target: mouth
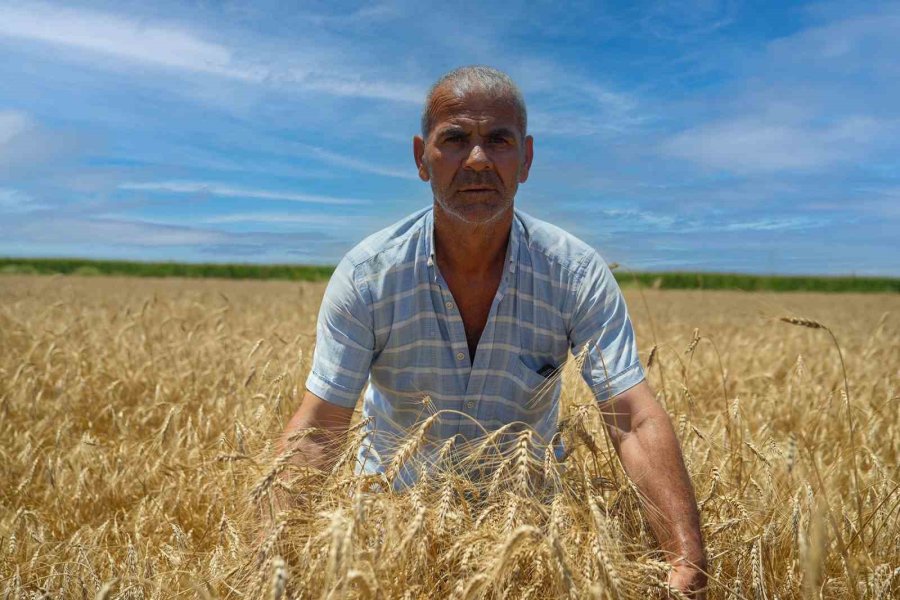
478,189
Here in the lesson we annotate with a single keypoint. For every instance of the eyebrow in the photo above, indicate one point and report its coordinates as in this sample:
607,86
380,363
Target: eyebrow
503,131
452,130
457,130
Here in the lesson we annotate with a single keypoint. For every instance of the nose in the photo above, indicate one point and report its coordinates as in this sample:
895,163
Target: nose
478,159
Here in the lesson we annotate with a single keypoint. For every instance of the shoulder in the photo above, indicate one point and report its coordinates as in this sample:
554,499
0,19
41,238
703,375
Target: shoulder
390,244
557,248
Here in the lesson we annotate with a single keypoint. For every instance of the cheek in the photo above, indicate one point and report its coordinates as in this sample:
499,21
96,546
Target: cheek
508,168
443,166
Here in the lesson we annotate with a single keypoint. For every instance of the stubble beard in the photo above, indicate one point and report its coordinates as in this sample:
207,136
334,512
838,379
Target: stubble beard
473,217
457,211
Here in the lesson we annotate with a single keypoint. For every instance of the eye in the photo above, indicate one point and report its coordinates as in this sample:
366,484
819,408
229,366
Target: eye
497,140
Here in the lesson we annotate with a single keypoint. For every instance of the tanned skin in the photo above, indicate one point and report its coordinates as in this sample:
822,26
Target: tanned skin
642,434
475,157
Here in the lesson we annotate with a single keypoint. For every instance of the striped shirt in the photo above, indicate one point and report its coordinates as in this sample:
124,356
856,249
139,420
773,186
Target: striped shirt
389,323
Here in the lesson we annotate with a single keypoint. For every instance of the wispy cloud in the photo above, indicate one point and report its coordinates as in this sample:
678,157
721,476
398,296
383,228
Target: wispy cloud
110,231
12,123
686,20
15,201
640,220
325,220
356,87
864,41
41,234
161,44
758,145
821,97
363,166
566,103
216,189
26,145
775,224
369,15
175,46
201,130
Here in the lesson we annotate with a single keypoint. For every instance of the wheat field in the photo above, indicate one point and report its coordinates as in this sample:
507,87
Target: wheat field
139,421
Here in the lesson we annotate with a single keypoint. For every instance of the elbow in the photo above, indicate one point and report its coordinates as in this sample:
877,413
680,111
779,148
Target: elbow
625,429
618,435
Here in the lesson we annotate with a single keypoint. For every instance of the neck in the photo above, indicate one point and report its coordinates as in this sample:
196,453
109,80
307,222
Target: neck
471,249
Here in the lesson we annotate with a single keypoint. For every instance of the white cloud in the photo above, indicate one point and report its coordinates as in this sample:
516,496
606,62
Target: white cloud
164,45
774,224
355,87
862,42
287,218
174,46
12,123
131,237
361,165
569,104
15,201
630,219
750,145
25,145
681,21
648,219
129,233
226,191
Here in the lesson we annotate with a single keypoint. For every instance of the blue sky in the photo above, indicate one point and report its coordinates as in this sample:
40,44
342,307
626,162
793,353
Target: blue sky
700,135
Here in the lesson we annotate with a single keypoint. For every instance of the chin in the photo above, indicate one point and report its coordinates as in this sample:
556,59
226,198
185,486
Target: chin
479,213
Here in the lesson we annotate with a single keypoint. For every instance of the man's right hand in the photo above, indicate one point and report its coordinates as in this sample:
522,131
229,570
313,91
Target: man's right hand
689,579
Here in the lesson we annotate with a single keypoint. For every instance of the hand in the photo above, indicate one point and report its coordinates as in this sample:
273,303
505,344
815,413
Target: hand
688,579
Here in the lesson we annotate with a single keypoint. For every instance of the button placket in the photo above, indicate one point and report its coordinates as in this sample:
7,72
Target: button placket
457,333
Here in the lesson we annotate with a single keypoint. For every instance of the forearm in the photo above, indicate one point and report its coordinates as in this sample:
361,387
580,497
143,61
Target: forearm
314,434
311,440
652,457
308,444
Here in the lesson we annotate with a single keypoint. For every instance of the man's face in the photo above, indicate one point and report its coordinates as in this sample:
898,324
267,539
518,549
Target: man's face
474,157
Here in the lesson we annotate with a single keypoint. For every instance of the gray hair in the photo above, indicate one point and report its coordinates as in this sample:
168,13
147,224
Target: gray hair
485,79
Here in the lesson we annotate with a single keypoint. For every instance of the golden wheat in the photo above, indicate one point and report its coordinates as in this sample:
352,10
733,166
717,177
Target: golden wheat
138,432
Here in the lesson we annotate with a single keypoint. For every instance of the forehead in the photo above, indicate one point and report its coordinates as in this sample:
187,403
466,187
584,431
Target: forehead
471,108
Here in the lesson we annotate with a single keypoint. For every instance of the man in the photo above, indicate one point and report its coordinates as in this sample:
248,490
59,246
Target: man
469,305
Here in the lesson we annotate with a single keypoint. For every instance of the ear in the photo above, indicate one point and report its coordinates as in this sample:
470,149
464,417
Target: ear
528,143
419,156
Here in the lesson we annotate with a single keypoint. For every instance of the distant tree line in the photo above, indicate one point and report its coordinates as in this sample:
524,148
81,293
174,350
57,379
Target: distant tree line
658,280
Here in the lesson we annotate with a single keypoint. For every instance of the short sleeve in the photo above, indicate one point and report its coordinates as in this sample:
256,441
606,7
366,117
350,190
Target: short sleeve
344,341
601,329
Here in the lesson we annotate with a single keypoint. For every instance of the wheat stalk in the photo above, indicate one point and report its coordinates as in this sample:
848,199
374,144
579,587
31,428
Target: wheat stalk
138,464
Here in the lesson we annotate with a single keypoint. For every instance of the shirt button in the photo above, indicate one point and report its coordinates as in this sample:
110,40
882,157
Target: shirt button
449,305
470,404
460,356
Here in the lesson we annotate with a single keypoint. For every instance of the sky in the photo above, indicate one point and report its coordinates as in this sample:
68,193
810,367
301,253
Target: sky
757,137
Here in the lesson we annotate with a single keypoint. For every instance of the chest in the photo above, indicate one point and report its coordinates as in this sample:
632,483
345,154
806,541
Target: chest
424,322
473,298
513,331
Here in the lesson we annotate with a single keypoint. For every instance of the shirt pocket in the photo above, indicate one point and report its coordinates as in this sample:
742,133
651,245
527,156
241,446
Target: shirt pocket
532,389
531,379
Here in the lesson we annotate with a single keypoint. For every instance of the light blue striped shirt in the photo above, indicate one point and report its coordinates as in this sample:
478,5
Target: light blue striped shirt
389,320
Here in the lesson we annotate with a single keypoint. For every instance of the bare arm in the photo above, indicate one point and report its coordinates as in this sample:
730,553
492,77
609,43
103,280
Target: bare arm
319,448
316,448
642,434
